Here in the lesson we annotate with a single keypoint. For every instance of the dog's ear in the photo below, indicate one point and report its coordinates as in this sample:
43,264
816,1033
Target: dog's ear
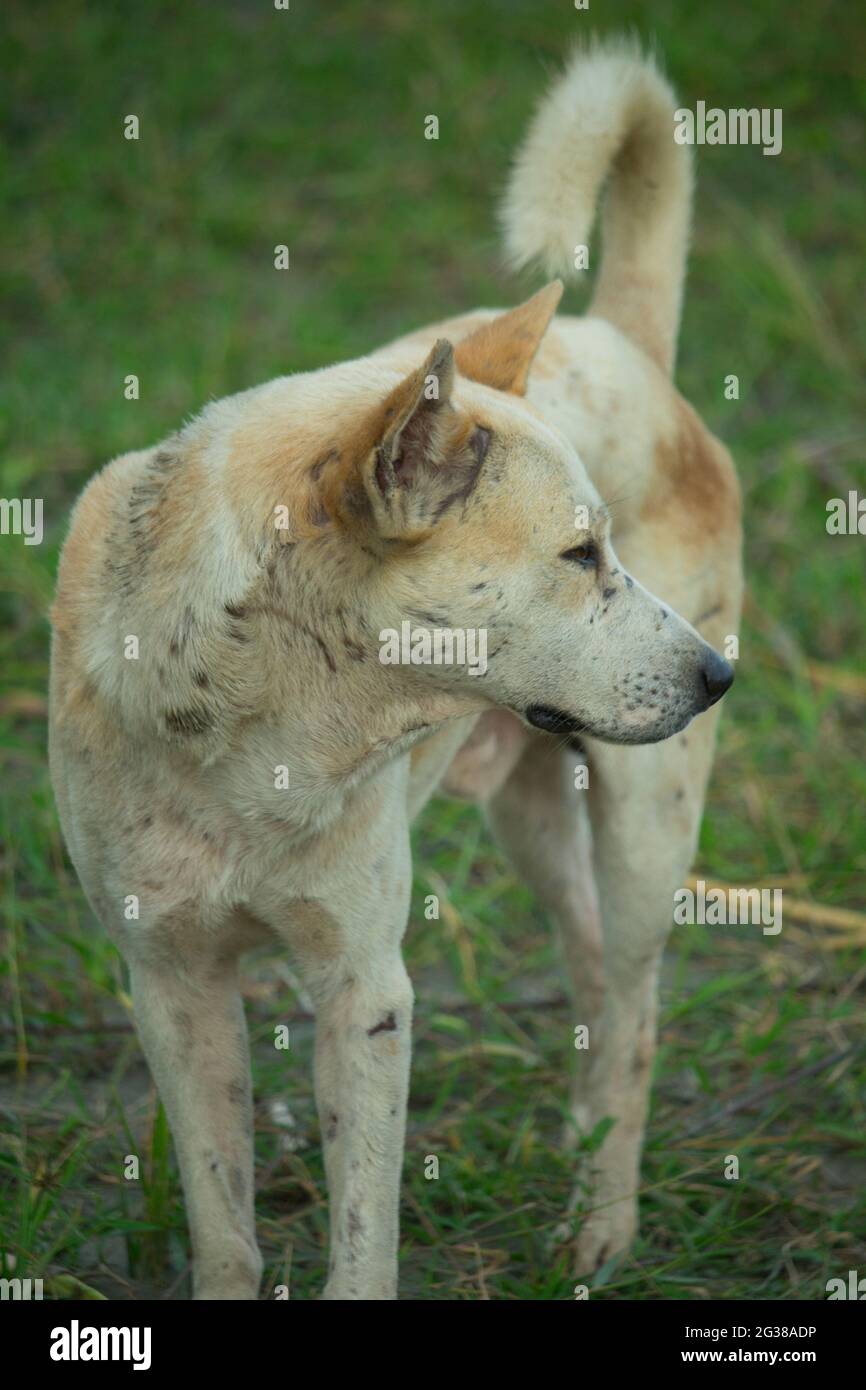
500,353
415,456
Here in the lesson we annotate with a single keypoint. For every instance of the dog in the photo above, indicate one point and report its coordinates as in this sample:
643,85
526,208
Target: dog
235,762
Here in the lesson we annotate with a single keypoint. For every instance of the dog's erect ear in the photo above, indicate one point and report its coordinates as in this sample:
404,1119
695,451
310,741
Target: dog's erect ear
500,353
414,422
415,456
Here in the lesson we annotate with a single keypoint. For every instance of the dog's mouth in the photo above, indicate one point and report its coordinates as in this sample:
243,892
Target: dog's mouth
558,721
553,720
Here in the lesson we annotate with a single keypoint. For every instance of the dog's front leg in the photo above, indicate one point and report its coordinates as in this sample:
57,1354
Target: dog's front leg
191,1023
363,1048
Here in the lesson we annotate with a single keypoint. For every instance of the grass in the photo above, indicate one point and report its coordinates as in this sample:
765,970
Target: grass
261,127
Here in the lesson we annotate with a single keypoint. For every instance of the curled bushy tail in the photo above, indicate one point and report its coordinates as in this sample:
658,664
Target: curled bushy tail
609,116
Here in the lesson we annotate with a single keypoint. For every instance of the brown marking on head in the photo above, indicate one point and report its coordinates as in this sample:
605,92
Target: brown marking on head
501,352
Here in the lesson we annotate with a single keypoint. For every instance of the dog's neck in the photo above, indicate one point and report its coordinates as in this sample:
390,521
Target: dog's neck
336,717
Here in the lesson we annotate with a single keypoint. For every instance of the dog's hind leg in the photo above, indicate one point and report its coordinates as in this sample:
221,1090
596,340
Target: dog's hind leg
191,1023
610,891
645,805
540,816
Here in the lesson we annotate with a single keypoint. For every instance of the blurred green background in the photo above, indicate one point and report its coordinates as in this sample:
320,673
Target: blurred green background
155,257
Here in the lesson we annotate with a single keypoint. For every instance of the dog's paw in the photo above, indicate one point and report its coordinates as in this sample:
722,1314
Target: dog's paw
603,1235
597,1238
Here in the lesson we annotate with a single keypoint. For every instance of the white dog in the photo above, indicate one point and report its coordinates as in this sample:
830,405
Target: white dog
235,763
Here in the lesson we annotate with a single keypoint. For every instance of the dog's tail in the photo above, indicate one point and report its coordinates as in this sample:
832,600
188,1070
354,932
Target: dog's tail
611,113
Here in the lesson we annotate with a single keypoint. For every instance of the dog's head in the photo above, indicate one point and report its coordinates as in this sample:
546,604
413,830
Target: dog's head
478,521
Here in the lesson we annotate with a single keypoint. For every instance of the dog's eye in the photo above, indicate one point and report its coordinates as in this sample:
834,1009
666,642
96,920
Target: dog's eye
585,555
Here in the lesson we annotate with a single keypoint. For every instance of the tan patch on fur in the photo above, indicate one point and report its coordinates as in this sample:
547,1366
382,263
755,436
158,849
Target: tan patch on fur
694,474
312,931
501,352
278,455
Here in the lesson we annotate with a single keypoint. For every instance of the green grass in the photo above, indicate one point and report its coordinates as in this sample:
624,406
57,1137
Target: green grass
261,127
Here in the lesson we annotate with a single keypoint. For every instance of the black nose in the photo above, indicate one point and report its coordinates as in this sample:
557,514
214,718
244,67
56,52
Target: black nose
718,677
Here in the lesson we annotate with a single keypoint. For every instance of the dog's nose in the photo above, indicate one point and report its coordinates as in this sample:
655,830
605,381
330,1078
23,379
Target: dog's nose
718,677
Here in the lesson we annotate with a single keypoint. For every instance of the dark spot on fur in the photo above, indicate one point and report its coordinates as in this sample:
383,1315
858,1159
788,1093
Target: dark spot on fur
354,1229
629,582
461,494
316,470
331,1130
433,619
201,679
608,593
388,1025
314,636
237,1092
183,1023
480,443
235,610
188,721
237,1184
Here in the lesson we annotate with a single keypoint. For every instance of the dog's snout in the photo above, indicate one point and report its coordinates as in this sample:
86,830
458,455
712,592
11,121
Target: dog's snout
717,675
